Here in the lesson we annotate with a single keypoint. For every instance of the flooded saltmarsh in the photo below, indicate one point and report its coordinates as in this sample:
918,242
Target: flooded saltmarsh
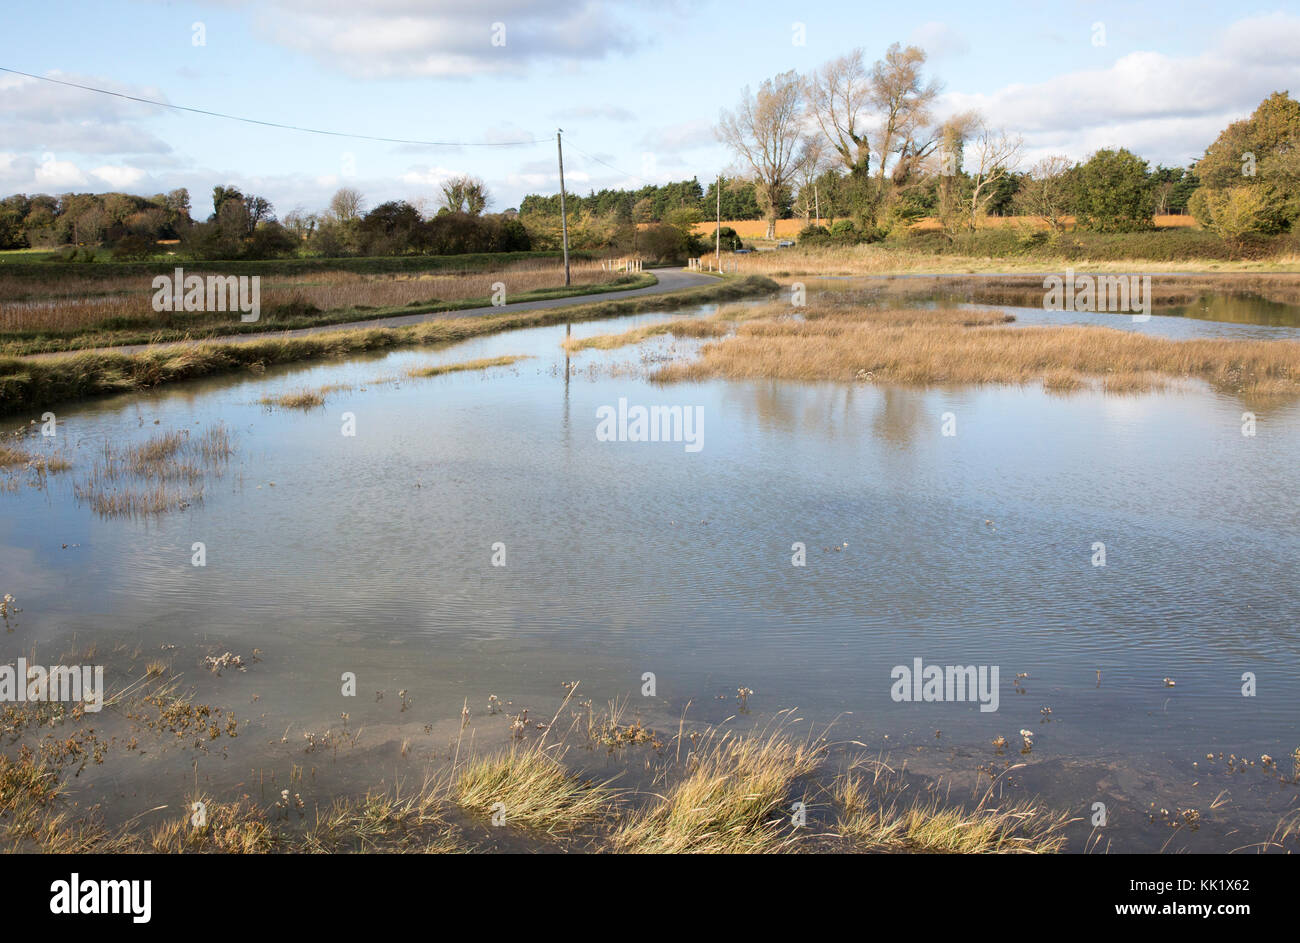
327,554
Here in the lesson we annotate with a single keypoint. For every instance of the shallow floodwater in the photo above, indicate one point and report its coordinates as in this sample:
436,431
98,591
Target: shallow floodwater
373,554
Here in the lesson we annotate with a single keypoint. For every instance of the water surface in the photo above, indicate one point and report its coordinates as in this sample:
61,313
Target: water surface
373,554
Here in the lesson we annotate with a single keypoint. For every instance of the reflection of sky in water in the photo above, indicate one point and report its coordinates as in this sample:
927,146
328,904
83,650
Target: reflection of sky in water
372,553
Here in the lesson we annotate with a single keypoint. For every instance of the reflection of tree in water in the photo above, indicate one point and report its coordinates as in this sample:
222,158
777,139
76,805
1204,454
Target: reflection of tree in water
901,414
835,410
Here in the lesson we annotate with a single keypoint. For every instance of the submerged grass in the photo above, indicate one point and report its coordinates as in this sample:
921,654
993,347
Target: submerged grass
27,383
164,473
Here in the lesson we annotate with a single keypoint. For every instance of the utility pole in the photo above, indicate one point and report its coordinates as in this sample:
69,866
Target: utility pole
564,219
717,239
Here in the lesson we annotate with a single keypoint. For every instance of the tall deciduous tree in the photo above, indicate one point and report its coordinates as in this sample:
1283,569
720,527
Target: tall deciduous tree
903,100
838,94
346,205
765,131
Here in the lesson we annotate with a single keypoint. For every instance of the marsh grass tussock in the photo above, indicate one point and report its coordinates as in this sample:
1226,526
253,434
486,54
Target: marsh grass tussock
679,327
876,811
385,821
844,341
533,788
732,797
483,363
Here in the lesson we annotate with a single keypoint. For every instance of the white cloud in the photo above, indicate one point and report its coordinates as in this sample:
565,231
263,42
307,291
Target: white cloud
446,37
431,177
58,174
119,178
1165,108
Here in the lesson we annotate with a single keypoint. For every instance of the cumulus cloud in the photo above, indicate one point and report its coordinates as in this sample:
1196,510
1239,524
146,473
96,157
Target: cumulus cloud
1163,107
53,174
119,178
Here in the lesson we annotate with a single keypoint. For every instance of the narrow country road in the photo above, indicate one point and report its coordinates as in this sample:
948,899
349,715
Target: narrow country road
669,280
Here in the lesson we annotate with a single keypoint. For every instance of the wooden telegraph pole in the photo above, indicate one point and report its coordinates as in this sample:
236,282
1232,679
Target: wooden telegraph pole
564,219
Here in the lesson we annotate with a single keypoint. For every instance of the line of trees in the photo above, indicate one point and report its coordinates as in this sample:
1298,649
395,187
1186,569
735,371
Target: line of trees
245,226
864,143
44,221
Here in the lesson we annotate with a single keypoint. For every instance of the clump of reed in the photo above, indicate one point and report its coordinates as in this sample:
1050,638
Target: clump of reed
678,327
731,798
225,828
483,363
13,456
874,814
528,787
164,473
303,398
383,821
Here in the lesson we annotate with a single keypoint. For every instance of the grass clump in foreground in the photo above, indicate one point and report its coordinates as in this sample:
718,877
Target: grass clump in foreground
872,816
838,339
529,788
31,383
726,792
732,799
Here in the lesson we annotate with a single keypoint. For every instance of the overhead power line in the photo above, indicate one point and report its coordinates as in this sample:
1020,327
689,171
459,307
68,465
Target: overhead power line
609,165
274,124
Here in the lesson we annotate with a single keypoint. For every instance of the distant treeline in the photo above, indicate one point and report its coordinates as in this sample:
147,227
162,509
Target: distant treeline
245,226
826,195
43,221
653,204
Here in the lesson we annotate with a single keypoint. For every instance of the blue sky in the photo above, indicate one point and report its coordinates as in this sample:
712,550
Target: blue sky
636,84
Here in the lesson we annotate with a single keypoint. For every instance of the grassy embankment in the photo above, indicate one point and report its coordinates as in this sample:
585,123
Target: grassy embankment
84,313
27,384
839,338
